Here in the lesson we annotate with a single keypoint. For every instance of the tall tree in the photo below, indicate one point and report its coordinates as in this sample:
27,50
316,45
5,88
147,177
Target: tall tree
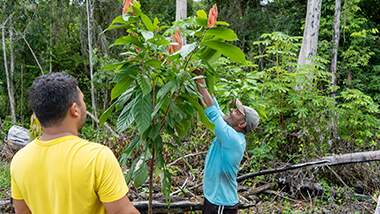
335,41
7,73
311,31
90,10
181,9
11,74
335,46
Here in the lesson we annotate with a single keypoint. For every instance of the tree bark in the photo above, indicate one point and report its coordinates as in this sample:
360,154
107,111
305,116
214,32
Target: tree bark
350,158
11,93
334,60
90,8
377,211
181,9
311,31
335,42
151,171
7,75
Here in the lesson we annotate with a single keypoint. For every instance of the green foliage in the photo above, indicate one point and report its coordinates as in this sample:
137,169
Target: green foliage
154,90
295,118
358,45
5,179
294,103
358,122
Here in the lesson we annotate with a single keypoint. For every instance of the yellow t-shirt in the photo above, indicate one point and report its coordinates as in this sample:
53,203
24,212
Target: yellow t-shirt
66,175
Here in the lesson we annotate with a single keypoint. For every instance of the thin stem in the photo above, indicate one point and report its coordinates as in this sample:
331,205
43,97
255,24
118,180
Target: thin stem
151,169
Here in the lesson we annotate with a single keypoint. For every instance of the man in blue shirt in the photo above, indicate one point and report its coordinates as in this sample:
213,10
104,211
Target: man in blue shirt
225,153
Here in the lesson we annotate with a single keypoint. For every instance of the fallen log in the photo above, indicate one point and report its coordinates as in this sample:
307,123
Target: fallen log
175,207
334,160
160,207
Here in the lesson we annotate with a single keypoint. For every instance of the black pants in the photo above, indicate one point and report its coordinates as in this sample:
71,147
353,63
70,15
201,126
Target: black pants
209,208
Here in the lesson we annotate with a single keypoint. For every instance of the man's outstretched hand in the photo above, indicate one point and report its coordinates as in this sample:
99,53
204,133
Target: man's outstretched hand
202,88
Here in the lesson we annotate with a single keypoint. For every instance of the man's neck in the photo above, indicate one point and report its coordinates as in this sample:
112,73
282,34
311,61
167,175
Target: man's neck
51,133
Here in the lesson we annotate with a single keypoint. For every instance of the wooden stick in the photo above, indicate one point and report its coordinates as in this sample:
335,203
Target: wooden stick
186,156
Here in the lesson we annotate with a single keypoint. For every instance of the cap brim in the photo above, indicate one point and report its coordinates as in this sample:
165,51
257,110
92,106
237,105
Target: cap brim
239,106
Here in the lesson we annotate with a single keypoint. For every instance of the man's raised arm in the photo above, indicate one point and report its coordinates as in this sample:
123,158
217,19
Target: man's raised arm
202,88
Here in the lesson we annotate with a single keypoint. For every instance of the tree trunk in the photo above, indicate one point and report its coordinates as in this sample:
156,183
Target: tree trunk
181,9
11,74
377,211
103,43
335,47
7,75
90,8
310,34
151,173
335,42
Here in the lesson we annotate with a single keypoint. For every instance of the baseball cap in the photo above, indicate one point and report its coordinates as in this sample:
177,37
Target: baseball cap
252,118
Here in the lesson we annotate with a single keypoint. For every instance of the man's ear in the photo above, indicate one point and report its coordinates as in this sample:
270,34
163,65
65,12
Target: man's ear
242,125
74,110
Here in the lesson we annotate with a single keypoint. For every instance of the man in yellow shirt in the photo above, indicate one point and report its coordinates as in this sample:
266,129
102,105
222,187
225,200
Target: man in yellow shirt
60,173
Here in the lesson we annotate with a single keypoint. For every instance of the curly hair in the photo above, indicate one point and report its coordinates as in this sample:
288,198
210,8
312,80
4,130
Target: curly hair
51,95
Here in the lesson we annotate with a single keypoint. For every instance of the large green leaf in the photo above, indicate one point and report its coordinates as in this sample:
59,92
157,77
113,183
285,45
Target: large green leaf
124,40
106,114
142,111
202,14
131,147
126,117
120,87
118,23
112,66
147,22
156,64
199,108
228,50
155,22
210,55
124,98
166,183
201,18
140,173
162,103
125,79
145,84
164,90
222,33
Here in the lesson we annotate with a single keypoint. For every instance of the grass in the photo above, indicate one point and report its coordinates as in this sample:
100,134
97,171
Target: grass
5,179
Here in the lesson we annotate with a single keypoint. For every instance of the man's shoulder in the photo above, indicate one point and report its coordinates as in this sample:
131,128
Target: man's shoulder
89,148
90,144
22,153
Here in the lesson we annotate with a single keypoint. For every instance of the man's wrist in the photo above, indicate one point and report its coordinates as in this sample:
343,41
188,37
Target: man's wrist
202,85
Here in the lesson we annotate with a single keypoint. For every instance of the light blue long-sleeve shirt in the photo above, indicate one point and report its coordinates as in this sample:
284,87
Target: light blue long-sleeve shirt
222,160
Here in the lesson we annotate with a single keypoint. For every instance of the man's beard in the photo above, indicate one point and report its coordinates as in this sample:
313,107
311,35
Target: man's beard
82,120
